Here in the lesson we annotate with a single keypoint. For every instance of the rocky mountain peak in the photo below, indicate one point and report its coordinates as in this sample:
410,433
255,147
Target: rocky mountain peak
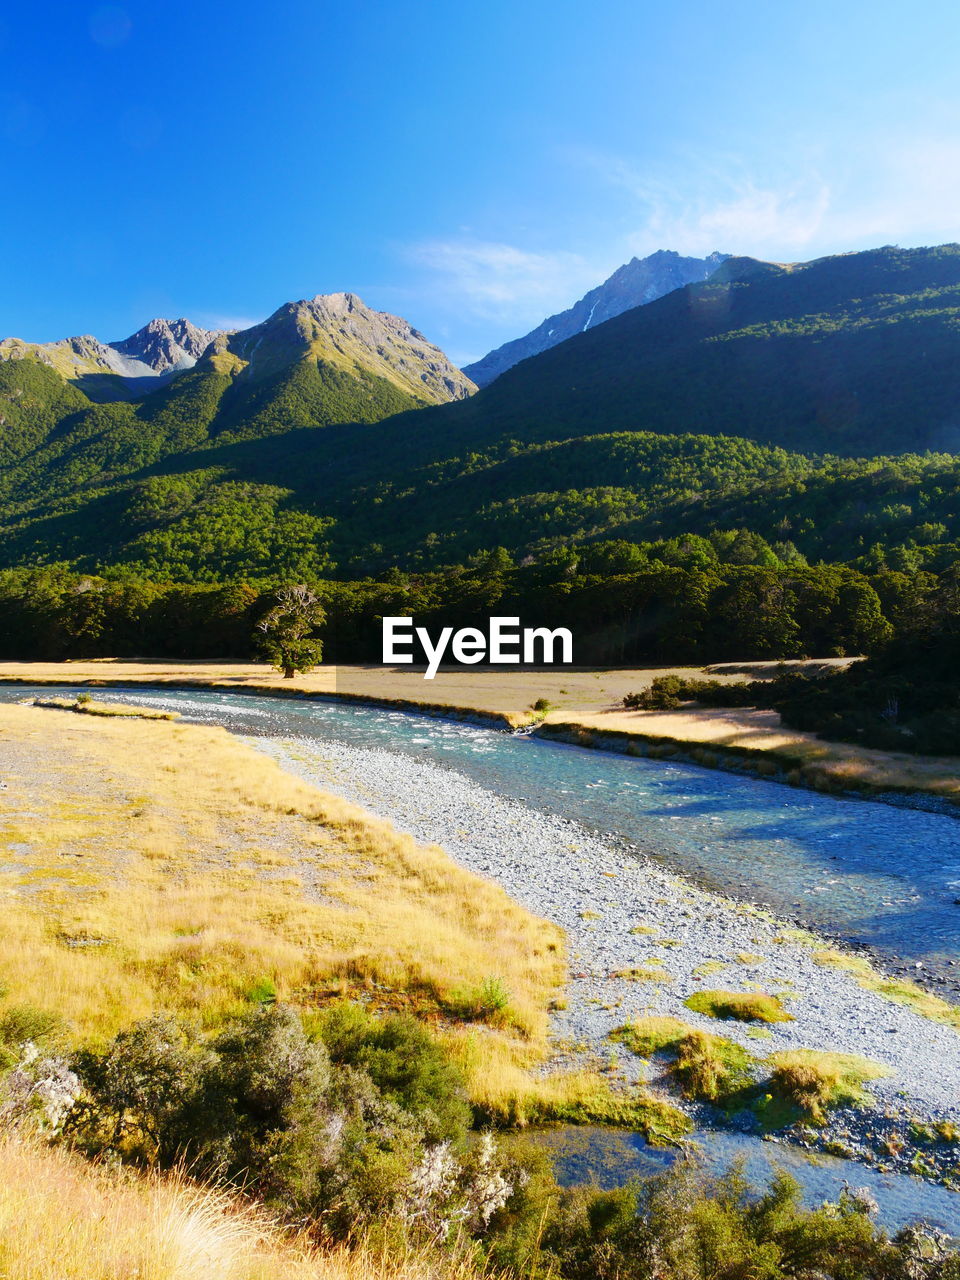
166,345
341,330
637,282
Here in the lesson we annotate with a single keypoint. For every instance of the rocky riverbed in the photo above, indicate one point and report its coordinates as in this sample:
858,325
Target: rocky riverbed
621,912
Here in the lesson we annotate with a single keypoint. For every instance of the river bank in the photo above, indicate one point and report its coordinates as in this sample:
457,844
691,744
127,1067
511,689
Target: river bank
624,916
583,707
520,805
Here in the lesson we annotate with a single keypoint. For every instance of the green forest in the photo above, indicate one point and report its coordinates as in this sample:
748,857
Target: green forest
761,466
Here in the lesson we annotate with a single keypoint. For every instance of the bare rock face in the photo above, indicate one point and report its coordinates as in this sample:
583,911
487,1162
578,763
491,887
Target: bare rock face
165,345
637,282
160,349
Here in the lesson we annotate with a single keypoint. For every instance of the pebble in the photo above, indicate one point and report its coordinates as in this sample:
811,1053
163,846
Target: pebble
529,853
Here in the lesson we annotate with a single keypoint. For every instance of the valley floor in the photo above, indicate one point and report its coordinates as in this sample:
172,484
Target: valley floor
585,706
148,865
641,941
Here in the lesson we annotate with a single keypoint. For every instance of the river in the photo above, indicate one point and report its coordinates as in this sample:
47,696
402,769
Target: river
867,872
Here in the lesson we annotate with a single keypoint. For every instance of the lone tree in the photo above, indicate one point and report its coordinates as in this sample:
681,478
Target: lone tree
287,640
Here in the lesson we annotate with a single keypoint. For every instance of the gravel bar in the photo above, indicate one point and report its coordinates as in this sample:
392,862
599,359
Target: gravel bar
601,889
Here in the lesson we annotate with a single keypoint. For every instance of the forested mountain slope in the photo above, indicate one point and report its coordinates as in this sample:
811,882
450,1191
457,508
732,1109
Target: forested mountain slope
794,402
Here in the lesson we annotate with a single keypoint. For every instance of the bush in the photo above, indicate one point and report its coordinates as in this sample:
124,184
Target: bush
664,694
488,1002
711,1069
405,1063
685,1225
339,1132
142,1091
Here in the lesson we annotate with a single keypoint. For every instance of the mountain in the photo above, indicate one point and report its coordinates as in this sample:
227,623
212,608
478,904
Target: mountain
856,354
794,401
637,282
340,331
167,345
64,430
118,370
337,330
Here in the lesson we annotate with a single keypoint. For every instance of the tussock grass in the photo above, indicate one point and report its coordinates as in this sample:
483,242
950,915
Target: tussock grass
707,1067
86,706
506,1091
710,1068
793,1085
133,883
739,1006
63,1219
811,1081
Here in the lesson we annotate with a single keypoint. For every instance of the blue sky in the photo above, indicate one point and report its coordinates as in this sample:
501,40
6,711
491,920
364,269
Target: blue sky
472,166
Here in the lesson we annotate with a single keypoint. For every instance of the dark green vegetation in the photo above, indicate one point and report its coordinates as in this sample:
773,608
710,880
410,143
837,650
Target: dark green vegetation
675,418
650,612
854,355
906,697
640,484
333,1123
355,1126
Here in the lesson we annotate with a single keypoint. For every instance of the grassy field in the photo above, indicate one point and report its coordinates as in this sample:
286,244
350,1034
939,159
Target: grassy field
64,1219
151,866
507,693
586,705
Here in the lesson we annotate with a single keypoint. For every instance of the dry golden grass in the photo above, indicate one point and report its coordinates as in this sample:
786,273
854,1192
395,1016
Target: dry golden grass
587,700
148,866
62,1219
814,1081
899,990
504,692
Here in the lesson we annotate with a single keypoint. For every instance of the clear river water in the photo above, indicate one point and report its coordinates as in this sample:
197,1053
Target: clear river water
868,872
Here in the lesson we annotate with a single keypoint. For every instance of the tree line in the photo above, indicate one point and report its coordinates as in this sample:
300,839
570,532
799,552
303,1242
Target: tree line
618,612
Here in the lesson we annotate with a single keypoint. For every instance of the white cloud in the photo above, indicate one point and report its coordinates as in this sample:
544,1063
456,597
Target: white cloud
218,320
501,281
719,205
900,190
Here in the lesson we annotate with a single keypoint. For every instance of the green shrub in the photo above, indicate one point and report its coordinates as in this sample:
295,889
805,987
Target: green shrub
664,694
404,1062
685,1225
711,1069
487,1002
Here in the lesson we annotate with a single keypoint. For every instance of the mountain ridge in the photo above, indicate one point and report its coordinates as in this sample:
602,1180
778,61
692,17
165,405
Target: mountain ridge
634,284
793,400
338,329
